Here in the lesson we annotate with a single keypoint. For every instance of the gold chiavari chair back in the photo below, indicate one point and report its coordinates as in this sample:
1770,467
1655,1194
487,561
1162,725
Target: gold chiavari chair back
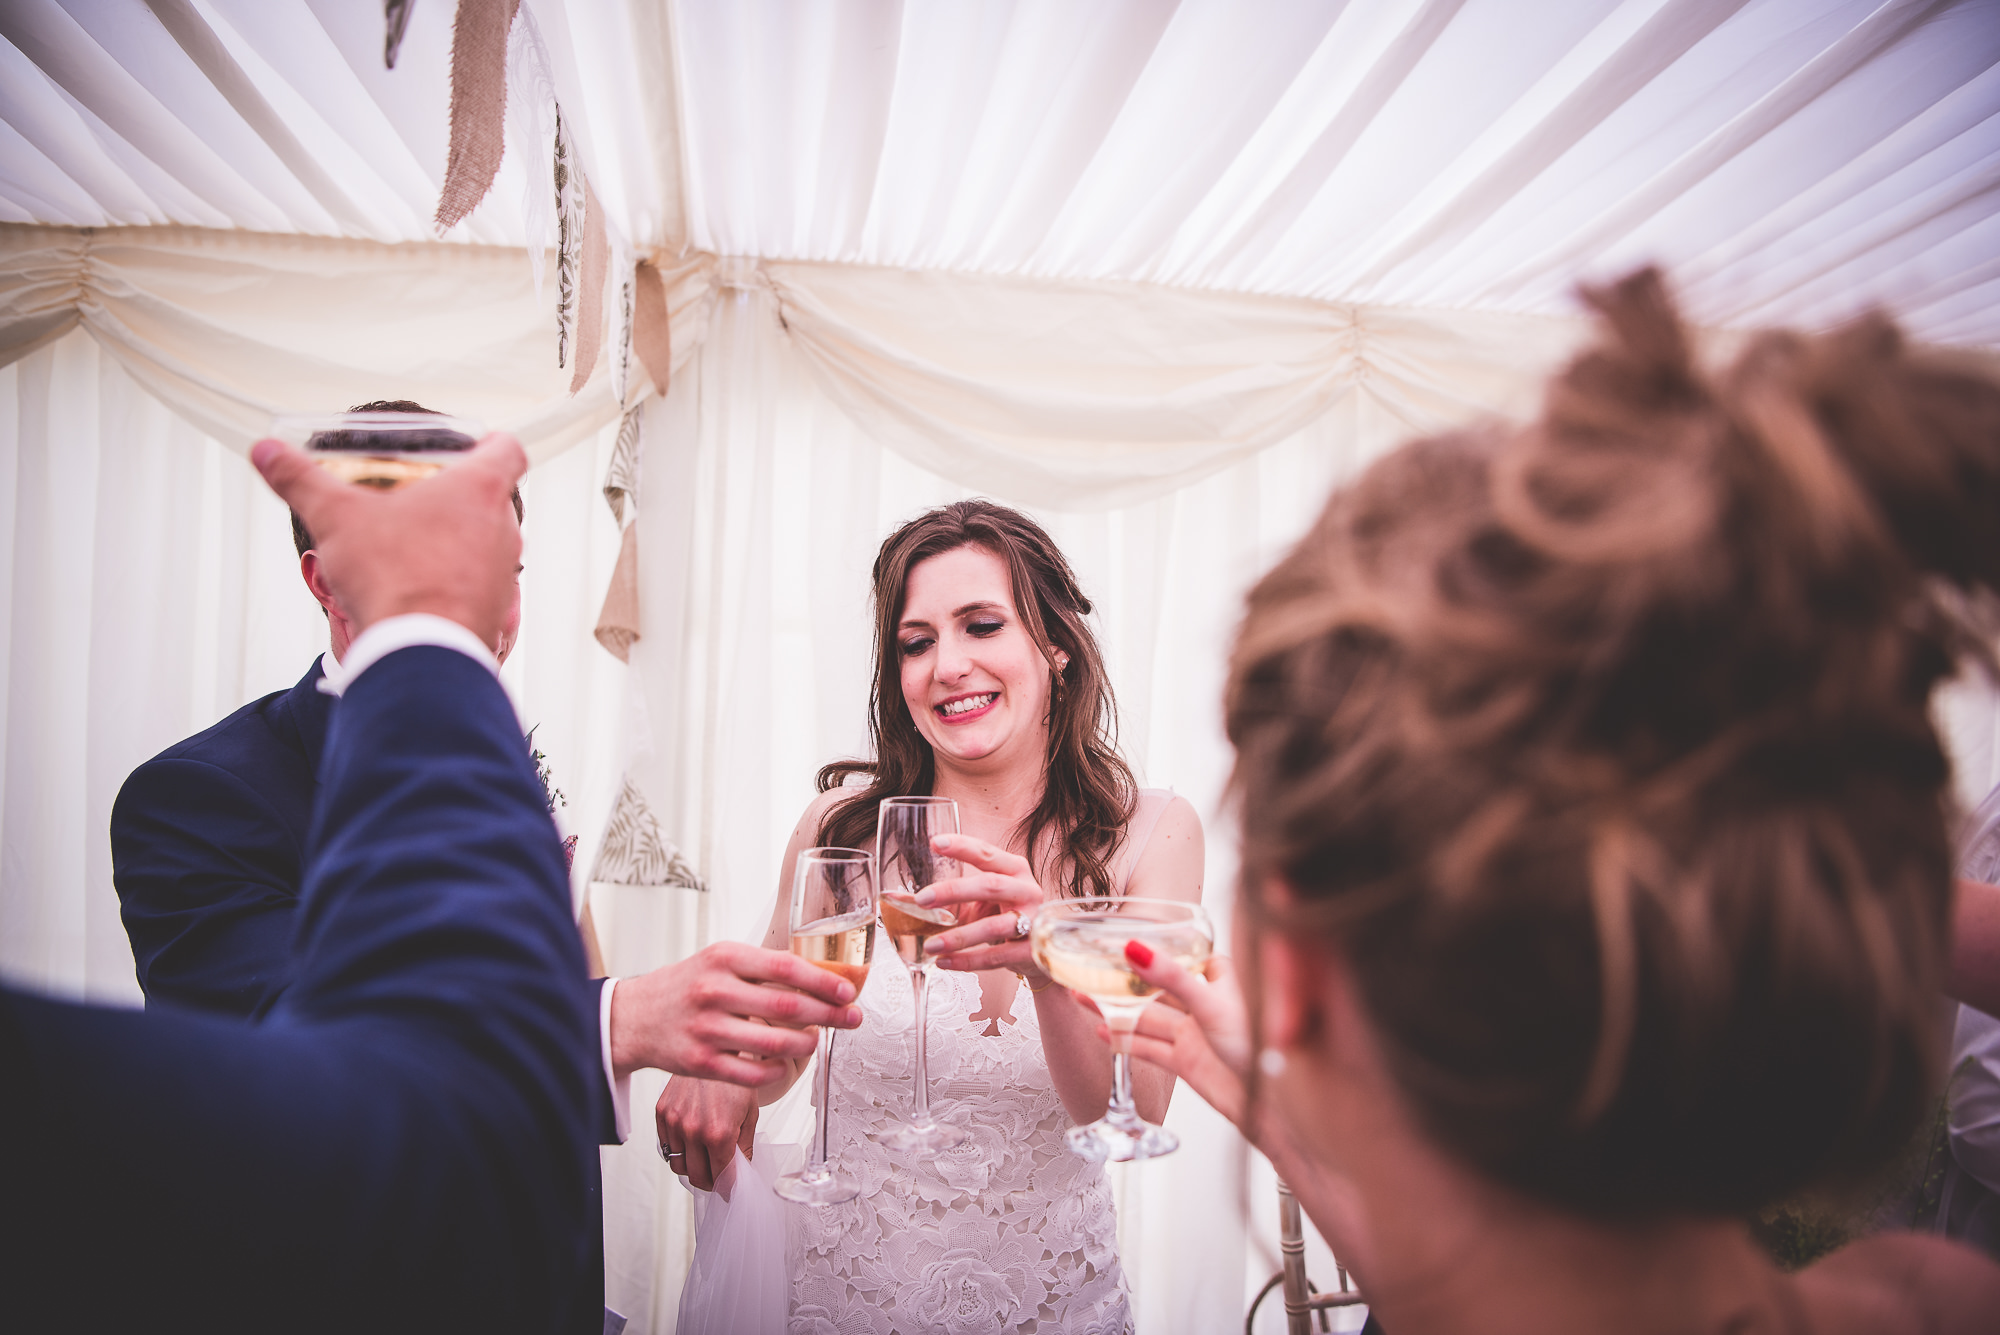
1302,1297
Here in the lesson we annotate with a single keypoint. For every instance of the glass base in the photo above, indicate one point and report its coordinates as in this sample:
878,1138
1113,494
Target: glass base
1106,1141
828,1188
909,1138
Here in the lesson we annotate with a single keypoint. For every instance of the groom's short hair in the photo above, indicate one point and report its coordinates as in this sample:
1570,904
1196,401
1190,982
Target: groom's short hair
304,541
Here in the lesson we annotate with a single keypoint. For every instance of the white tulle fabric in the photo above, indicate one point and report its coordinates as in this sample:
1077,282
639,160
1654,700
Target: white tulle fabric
1008,1231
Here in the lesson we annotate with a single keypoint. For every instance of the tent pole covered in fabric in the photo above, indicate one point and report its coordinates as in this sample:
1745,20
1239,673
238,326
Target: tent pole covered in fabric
1159,273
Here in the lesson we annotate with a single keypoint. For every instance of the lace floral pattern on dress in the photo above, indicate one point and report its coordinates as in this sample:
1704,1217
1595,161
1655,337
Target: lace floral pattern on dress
1006,1232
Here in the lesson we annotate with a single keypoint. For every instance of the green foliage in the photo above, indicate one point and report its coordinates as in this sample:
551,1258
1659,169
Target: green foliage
1797,1233
551,795
1903,1196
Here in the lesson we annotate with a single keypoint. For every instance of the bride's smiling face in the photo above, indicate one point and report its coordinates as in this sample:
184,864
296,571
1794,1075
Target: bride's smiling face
976,686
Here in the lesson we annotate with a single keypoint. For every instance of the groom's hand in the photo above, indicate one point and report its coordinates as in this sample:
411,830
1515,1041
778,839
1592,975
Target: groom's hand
710,1016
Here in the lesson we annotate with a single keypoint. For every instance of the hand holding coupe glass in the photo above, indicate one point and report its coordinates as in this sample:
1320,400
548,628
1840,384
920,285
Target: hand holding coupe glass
1202,1031
1080,944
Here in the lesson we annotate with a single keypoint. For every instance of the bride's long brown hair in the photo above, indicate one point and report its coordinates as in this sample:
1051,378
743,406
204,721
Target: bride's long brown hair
1088,792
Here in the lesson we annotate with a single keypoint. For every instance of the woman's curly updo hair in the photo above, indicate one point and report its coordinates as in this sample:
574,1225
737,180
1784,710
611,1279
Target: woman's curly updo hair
1601,749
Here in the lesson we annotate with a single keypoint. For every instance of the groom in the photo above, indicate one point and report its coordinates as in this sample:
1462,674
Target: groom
208,838
208,855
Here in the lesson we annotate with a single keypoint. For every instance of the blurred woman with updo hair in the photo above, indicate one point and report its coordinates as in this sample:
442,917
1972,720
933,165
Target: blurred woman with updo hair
1596,875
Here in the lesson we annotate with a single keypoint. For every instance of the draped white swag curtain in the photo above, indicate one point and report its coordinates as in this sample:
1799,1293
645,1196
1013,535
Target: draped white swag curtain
1074,395
227,328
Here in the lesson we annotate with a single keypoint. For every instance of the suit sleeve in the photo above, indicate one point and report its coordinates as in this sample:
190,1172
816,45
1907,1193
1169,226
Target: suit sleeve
408,1140
208,881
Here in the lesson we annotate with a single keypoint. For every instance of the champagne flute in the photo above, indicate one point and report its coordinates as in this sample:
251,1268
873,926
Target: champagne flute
383,450
903,830
833,926
1080,943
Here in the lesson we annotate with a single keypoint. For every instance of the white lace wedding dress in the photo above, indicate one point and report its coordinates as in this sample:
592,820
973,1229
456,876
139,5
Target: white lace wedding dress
1008,1231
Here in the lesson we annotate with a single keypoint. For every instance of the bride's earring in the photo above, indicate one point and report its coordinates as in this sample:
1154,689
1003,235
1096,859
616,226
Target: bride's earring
1271,1062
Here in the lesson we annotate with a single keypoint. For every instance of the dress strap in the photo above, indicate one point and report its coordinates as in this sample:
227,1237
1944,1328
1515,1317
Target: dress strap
1152,804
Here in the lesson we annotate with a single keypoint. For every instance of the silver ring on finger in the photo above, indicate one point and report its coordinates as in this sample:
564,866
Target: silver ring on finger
1024,920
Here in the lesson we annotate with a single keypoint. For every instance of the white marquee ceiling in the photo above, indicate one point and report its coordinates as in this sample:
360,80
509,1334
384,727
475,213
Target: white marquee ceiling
1788,159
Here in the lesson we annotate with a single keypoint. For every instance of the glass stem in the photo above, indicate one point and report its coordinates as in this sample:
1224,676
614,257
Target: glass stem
817,1171
1122,1108
920,1112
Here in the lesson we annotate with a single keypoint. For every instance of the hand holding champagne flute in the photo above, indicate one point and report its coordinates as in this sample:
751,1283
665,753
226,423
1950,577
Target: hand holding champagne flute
833,926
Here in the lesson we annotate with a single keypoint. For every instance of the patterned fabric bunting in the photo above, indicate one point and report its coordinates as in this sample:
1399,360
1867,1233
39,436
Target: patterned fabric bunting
621,479
569,236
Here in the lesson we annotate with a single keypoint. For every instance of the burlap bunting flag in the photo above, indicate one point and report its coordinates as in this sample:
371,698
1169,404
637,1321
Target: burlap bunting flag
478,106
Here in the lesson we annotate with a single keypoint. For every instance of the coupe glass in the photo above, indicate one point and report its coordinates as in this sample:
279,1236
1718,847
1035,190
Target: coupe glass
903,830
833,926
1080,943
382,450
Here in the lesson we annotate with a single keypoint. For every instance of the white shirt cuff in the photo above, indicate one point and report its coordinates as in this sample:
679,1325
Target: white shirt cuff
621,1089
388,635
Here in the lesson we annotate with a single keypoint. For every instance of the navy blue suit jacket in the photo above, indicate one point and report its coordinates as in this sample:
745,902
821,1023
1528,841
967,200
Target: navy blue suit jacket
208,852
406,1141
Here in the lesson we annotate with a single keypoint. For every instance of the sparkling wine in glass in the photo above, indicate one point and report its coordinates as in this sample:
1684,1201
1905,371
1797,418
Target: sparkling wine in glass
903,830
383,450
1080,943
833,926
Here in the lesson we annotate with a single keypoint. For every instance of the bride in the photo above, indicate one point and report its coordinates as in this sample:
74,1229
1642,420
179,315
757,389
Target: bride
990,690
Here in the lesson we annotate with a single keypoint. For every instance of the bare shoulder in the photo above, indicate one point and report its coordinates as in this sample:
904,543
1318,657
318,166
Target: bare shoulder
1903,1281
804,835
1170,865
1178,831
815,812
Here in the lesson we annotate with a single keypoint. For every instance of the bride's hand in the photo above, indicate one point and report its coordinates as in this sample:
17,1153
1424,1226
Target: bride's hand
1001,893
1199,1029
701,1125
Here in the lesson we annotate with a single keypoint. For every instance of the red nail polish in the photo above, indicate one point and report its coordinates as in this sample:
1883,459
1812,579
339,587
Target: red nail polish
1139,953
